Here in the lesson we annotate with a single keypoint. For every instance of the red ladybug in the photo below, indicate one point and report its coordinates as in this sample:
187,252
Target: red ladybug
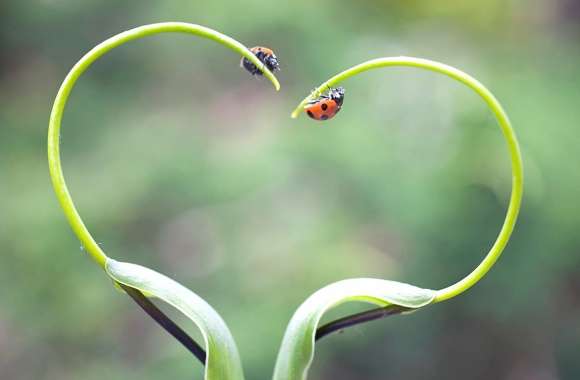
326,106
265,55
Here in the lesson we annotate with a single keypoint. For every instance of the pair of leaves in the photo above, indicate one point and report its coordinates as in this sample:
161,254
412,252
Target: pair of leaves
297,351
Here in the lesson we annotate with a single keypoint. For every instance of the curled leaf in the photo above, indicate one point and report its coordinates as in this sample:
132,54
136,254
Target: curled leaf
222,359
297,350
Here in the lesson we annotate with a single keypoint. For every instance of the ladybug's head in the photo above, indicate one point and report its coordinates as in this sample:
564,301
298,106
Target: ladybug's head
271,62
337,94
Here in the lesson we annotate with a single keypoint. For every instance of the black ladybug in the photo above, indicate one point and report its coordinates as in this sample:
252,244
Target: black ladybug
266,56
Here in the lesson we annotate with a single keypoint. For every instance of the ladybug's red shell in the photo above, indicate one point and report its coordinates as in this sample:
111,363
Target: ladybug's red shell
265,50
323,109
326,106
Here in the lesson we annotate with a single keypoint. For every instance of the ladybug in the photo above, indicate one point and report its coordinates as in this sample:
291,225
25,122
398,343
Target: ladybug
326,106
265,55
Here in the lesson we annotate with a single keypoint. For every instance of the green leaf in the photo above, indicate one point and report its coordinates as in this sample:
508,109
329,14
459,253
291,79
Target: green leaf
297,351
223,361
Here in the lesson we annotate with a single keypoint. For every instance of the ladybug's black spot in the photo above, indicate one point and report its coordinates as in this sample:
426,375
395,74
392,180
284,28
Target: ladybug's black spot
252,69
324,117
324,106
310,114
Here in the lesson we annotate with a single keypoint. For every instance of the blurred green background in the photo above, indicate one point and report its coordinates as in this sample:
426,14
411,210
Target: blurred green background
179,160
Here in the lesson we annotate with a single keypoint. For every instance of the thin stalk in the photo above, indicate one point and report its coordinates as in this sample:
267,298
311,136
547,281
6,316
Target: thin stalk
510,137
357,319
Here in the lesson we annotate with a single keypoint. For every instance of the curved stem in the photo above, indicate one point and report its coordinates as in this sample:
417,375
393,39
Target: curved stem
80,67
508,133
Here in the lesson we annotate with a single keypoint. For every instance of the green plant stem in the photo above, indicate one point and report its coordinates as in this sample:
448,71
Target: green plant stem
508,133
80,67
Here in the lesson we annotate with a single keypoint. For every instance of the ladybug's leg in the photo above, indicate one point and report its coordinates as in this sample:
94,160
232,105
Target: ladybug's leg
316,100
313,91
321,95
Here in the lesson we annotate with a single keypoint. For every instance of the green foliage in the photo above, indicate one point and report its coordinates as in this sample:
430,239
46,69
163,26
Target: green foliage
297,351
223,361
